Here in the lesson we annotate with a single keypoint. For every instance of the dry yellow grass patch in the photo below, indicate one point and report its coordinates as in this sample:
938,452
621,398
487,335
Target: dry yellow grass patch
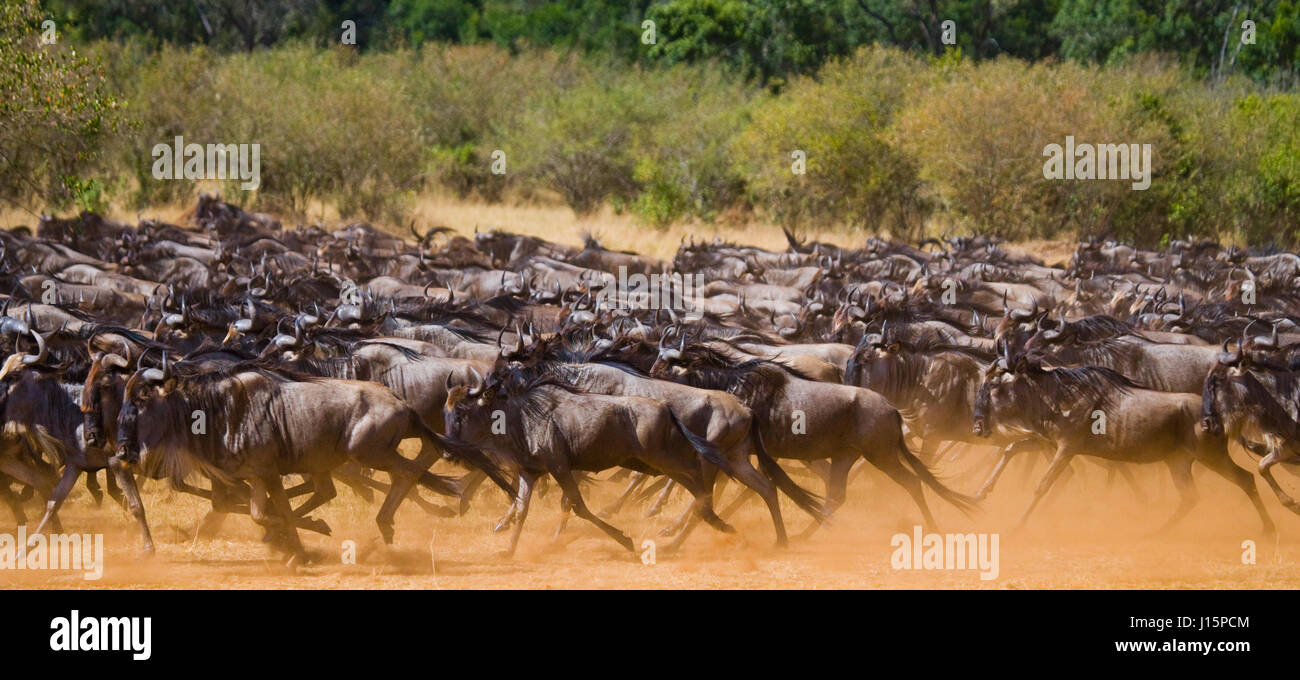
552,221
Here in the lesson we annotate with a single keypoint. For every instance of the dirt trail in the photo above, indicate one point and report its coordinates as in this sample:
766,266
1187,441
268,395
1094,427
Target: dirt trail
1088,535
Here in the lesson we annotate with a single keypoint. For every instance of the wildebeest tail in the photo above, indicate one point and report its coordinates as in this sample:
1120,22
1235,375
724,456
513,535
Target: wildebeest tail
963,502
42,440
702,445
810,502
443,484
470,455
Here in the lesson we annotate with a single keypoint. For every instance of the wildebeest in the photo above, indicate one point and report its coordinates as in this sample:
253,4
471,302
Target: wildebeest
802,419
263,424
264,327
552,427
1095,411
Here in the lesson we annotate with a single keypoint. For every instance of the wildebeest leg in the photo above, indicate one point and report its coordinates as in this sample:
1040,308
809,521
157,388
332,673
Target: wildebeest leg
837,483
820,467
745,494
1180,468
221,507
283,509
121,477
1127,473
1266,471
637,479
355,477
276,521
196,491
431,508
892,465
403,475
701,508
661,499
470,482
709,479
1219,461
325,491
686,516
1060,462
566,511
305,487
69,479
115,489
92,486
32,477
748,475
569,485
523,499
1010,450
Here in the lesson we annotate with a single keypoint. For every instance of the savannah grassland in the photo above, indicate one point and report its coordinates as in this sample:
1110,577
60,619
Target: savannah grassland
643,152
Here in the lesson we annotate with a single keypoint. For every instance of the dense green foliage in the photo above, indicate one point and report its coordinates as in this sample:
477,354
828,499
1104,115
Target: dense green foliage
894,129
769,40
54,110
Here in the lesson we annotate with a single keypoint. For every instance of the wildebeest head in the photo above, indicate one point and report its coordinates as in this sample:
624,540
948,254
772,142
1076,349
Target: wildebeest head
145,385
665,360
466,407
101,395
998,379
1220,393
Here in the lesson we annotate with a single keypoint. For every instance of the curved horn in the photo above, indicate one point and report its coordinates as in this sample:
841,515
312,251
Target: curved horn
41,351
1229,358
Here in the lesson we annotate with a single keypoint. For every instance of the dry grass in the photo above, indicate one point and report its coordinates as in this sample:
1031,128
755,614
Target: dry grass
549,220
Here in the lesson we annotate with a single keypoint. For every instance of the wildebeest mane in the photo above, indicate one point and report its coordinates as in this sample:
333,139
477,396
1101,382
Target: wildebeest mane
1095,386
753,381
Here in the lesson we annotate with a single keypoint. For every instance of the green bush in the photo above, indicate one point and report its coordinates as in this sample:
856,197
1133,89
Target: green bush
854,174
55,111
893,142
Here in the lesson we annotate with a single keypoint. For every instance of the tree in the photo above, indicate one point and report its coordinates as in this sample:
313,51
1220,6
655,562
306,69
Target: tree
54,110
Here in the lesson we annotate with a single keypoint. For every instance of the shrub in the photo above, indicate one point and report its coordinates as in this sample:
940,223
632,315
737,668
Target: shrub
840,120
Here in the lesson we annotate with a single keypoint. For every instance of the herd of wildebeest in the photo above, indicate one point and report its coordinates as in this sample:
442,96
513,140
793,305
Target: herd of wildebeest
252,364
